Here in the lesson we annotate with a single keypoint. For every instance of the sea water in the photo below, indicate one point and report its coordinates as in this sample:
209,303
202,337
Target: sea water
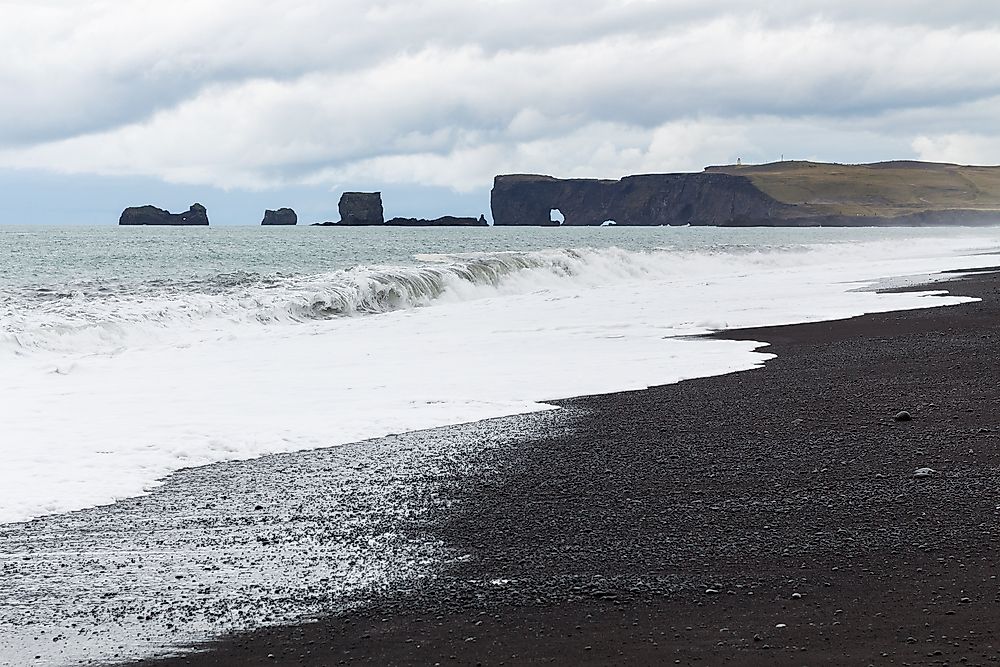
129,353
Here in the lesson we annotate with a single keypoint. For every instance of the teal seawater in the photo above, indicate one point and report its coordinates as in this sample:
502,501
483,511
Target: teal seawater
210,258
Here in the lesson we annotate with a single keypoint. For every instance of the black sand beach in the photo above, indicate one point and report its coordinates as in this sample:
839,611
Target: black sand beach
764,517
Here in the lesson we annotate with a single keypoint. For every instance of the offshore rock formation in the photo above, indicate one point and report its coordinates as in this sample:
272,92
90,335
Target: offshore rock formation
361,208
651,199
365,209
150,215
283,216
444,221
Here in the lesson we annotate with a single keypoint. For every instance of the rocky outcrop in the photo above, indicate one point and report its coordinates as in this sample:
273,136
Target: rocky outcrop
650,199
361,208
365,209
283,216
150,215
444,221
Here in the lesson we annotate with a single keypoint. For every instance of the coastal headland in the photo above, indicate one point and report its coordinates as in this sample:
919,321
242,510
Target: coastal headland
781,516
794,194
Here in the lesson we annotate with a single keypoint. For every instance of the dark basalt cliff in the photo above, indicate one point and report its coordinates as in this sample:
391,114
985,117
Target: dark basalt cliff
444,221
361,208
283,216
651,199
151,215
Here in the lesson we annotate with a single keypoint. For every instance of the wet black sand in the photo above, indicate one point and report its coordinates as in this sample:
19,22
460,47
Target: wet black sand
765,517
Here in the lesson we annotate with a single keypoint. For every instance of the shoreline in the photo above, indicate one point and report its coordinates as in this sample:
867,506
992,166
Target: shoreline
789,490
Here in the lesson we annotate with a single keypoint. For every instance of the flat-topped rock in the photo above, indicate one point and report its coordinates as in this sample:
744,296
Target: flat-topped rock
282,216
151,215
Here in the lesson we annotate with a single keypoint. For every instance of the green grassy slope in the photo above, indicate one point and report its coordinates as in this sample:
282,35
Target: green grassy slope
881,189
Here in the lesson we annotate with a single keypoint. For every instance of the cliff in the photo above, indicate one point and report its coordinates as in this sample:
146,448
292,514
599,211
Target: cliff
778,194
282,216
651,199
150,215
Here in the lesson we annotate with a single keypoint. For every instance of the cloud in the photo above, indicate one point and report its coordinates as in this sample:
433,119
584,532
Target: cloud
960,147
255,94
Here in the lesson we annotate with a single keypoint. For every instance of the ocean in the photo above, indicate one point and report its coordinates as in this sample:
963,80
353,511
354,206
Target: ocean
147,373
129,353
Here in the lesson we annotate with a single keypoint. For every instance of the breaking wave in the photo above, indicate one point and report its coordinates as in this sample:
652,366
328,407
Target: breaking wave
109,316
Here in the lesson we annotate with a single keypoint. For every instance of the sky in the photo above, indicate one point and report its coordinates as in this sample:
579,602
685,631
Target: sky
251,104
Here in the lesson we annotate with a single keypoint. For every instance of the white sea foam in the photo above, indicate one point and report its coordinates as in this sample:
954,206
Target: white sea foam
104,392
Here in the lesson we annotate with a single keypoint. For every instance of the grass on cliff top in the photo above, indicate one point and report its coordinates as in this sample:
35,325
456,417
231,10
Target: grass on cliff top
885,188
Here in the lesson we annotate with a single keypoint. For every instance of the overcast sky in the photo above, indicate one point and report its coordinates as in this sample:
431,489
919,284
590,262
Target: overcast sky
251,103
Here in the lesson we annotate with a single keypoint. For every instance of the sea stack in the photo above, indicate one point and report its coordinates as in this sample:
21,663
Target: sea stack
283,216
361,208
151,215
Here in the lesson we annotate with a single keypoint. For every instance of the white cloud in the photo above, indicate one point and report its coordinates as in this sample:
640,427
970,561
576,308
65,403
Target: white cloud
256,94
959,147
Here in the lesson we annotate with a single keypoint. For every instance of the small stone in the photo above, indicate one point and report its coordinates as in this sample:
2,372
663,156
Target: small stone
781,625
966,600
924,472
711,591
796,596
903,416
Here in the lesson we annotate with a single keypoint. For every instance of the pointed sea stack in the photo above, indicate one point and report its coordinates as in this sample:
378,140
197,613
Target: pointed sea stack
151,215
283,216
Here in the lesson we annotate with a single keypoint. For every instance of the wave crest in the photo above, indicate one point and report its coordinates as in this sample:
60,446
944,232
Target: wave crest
105,317
108,316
